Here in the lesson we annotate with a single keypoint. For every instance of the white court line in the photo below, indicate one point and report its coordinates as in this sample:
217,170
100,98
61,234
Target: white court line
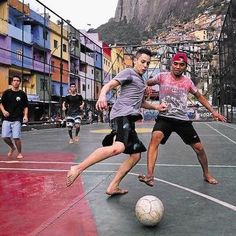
221,134
53,170
225,204
110,164
228,125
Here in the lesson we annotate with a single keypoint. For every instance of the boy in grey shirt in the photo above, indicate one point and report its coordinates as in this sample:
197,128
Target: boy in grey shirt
124,113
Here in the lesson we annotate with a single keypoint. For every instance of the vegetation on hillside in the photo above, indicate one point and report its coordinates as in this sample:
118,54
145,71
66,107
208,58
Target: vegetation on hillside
133,32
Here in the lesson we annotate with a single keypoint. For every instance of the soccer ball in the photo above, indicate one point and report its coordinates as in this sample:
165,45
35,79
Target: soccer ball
149,210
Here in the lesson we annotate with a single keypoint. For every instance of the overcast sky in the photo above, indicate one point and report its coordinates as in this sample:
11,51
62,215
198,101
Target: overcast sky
81,12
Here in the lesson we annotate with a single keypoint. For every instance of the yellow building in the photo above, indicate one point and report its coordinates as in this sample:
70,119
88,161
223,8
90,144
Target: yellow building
117,58
201,35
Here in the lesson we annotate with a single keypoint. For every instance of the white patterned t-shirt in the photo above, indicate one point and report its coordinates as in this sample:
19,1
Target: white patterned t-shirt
175,94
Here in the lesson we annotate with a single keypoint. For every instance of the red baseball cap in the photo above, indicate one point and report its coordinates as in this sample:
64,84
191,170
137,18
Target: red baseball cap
180,56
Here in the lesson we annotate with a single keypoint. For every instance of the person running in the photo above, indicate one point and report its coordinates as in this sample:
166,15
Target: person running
74,105
174,88
125,111
14,107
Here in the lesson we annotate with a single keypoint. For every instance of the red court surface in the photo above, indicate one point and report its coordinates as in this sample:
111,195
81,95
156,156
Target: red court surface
36,201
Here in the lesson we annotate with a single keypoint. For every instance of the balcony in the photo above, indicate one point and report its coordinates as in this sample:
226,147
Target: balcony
85,58
39,66
16,33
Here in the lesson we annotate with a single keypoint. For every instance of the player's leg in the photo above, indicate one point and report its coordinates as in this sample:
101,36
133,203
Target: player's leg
189,135
115,148
202,158
126,166
16,135
69,124
77,127
6,135
134,147
160,134
98,155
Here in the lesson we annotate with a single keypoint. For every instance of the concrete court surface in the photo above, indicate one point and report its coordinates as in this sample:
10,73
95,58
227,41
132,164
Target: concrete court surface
35,201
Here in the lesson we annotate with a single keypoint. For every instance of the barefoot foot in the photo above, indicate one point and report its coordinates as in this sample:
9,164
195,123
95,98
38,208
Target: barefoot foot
116,191
148,180
20,156
72,175
71,141
11,151
76,138
210,179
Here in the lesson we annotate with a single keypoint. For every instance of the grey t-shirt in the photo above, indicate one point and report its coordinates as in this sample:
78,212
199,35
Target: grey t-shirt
131,94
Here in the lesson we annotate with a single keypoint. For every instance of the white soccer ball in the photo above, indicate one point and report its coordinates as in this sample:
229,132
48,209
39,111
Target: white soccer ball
149,210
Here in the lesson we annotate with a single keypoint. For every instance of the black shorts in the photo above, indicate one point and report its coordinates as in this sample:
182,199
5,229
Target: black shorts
123,129
184,129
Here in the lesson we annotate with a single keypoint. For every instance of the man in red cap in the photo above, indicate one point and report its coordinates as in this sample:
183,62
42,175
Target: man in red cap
174,88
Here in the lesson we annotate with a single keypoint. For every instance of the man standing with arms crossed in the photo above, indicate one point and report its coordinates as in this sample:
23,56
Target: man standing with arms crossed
14,107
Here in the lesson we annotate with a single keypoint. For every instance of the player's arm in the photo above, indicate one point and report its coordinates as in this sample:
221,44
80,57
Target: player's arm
25,112
208,106
64,106
160,107
151,82
26,109
82,105
102,101
4,112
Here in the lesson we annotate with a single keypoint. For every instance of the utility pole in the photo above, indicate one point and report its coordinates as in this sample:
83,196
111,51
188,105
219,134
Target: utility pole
61,69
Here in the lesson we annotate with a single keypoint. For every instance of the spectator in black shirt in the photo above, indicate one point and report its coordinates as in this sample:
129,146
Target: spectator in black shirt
74,105
14,107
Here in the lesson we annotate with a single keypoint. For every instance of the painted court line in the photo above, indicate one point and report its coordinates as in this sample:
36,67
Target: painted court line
62,212
111,164
221,134
52,170
225,204
228,125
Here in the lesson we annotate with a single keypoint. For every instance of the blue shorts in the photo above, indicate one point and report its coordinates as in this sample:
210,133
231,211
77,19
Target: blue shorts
73,120
11,129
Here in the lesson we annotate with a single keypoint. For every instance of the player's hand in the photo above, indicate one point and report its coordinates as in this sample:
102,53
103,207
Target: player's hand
163,106
101,104
148,91
25,119
6,113
218,117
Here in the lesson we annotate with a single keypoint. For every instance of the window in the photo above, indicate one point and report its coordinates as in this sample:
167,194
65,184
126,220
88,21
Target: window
53,89
45,35
52,66
19,54
61,68
64,48
43,84
83,88
55,43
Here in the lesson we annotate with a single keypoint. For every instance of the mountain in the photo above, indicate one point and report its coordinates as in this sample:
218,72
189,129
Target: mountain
139,20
